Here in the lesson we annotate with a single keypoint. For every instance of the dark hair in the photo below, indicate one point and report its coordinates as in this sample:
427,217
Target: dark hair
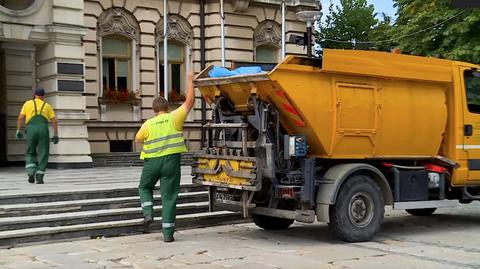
39,92
160,104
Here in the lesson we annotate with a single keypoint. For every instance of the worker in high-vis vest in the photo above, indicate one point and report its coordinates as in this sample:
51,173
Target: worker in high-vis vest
162,138
36,114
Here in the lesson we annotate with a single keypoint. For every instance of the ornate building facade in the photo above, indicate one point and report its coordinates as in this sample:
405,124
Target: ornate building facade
102,62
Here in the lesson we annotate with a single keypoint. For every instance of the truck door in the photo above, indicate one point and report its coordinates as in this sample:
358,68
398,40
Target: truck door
471,128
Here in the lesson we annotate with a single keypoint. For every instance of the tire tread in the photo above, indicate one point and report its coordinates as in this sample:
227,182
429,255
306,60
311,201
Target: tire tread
336,223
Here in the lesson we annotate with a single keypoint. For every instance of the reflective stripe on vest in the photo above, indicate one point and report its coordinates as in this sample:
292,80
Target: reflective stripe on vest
163,138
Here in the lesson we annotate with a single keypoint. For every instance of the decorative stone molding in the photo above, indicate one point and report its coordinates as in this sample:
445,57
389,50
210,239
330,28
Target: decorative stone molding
240,5
295,5
306,5
268,32
118,21
17,31
178,29
34,7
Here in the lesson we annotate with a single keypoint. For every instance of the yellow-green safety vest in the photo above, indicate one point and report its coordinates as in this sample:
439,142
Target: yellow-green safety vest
163,139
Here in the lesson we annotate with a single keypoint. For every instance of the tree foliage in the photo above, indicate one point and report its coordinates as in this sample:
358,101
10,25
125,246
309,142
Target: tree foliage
380,37
352,20
422,27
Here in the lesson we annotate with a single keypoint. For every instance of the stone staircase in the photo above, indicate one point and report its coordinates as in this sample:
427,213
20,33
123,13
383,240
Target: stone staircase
67,215
127,159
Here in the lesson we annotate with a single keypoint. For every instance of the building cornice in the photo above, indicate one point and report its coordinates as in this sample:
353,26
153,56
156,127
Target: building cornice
42,33
242,5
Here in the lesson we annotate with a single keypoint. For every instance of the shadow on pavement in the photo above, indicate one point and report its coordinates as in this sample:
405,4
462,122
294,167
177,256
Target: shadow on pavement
393,226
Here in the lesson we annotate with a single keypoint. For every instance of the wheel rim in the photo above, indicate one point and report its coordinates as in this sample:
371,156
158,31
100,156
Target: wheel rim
360,209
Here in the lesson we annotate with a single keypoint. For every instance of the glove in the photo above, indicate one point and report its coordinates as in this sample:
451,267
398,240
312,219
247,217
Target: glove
19,135
55,139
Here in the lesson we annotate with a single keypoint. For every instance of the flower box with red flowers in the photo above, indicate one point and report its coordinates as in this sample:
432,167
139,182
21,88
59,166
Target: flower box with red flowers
120,96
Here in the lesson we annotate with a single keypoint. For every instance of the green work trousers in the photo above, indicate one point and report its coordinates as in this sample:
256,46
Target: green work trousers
167,170
38,146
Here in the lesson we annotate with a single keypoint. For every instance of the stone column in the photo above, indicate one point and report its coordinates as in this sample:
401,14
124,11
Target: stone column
61,71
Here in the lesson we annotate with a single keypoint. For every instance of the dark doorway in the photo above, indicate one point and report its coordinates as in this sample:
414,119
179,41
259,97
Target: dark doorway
121,146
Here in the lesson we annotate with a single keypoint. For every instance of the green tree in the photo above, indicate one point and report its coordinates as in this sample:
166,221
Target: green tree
380,37
352,20
434,28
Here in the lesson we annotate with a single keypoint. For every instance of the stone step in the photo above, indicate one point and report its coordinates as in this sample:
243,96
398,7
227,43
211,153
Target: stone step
94,216
123,163
126,159
35,209
54,196
113,228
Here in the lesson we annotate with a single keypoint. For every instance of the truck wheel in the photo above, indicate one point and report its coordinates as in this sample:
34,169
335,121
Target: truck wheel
421,212
271,223
358,212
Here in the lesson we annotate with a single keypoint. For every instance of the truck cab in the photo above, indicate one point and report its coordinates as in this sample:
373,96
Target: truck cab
469,80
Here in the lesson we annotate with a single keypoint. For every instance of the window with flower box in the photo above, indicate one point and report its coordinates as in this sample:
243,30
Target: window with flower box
116,67
176,71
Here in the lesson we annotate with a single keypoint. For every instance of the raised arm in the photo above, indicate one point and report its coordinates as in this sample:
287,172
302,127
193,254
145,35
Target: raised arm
190,99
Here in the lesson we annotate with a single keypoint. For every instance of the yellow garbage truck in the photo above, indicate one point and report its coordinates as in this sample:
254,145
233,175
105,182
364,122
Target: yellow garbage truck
336,139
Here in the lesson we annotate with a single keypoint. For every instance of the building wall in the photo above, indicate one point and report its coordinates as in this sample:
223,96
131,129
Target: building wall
34,42
18,81
37,43
106,123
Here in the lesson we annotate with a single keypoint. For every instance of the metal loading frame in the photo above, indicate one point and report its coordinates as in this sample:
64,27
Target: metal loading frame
241,126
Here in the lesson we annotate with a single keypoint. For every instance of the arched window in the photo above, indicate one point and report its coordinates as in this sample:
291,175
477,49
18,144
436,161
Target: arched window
180,40
118,37
116,63
266,54
267,42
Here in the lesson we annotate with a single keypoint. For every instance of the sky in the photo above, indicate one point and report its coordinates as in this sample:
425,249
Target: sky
380,6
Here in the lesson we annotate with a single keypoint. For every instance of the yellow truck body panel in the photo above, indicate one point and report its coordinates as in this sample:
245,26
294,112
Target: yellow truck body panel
365,105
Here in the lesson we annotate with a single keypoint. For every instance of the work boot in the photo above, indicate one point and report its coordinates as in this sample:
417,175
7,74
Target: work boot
168,238
39,179
147,222
31,179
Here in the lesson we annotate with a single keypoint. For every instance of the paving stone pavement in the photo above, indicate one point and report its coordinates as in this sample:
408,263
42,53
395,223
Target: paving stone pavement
449,239
13,180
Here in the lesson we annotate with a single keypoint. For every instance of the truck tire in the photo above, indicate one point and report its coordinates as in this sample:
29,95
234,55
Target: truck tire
271,223
358,212
421,212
